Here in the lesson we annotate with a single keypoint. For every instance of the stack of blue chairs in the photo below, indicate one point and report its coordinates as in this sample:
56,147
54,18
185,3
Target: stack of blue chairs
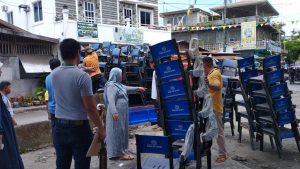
176,100
238,89
272,105
228,70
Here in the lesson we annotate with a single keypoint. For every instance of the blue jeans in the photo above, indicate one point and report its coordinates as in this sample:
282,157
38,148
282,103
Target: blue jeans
72,140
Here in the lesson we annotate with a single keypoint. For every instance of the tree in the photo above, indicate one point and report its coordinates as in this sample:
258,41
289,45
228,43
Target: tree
293,47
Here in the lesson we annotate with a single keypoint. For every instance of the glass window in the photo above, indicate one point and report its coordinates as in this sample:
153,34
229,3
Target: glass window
127,13
145,18
89,11
38,11
10,18
175,21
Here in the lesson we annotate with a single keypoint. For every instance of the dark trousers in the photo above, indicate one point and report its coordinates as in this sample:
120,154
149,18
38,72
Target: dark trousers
72,140
98,81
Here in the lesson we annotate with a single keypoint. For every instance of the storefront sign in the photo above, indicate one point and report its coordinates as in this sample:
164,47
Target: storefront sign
87,30
248,35
128,35
273,47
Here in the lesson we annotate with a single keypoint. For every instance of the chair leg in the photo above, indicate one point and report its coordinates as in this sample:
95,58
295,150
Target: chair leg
272,142
208,156
278,146
261,138
240,134
251,134
232,126
297,135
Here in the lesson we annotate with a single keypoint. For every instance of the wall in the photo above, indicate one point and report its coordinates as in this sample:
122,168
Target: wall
11,73
59,6
106,33
19,16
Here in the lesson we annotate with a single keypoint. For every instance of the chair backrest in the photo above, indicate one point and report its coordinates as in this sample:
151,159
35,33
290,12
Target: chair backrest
279,90
115,53
177,129
229,67
95,46
245,76
172,90
106,44
163,49
274,77
168,70
247,62
125,50
178,110
271,61
153,145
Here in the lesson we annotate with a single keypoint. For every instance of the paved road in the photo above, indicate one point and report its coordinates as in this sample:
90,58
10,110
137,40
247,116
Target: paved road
45,158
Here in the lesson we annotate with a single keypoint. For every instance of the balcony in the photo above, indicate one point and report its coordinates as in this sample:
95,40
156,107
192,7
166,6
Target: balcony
115,22
233,21
236,46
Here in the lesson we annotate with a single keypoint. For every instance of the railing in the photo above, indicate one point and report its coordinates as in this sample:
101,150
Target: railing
235,45
115,22
234,21
14,46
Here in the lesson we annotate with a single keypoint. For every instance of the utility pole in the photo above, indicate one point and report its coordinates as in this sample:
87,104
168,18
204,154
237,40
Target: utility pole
224,18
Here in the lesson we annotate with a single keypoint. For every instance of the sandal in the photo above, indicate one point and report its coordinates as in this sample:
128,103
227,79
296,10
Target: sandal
221,159
126,157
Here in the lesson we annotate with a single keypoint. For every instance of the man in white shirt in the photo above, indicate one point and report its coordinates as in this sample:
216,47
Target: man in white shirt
5,89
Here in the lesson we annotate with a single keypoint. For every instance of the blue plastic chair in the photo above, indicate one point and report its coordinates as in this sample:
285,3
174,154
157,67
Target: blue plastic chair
229,67
95,46
274,77
115,54
163,49
168,70
106,48
271,61
178,110
172,90
154,145
125,50
135,54
177,129
247,62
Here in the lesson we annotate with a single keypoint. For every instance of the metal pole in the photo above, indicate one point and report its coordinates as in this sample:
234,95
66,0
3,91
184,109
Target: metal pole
224,17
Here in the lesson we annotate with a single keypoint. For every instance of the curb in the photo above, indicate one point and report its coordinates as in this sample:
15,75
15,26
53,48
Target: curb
28,109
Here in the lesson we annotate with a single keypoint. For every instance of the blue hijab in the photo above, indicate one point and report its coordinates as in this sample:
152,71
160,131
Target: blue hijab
115,78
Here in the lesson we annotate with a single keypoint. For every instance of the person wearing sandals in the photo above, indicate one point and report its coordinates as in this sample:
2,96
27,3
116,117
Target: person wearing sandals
215,84
116,100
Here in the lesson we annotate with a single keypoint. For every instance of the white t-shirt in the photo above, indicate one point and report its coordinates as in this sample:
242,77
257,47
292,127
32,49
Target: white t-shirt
8,105
153,87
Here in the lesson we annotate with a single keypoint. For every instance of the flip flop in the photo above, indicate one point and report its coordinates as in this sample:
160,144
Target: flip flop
221,159
126,157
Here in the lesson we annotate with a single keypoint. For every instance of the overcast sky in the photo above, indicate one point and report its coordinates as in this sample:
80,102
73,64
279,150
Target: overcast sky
288,9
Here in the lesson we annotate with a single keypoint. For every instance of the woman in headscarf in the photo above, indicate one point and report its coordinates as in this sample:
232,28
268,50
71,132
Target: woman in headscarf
9,151
116,101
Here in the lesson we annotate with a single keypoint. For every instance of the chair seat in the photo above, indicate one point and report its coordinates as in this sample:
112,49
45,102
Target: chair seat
237,91
263,106
260,93
243,114
283,132
240,102
158,163
266,119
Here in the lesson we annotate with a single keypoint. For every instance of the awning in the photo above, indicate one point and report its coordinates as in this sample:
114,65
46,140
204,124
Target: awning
35,64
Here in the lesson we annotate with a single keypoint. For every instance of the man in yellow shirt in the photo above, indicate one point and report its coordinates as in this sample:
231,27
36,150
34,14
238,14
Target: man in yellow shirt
214,82
91,62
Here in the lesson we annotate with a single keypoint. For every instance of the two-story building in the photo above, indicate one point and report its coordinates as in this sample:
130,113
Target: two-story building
219,34
87,20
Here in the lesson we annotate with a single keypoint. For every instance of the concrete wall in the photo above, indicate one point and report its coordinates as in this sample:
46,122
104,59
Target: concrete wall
106,33
11,73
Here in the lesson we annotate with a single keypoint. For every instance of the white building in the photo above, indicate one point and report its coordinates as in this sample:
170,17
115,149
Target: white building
106,19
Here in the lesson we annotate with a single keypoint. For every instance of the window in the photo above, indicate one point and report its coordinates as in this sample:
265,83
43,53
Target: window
38,11
146,17
175,21
127,12
89,12
10,18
